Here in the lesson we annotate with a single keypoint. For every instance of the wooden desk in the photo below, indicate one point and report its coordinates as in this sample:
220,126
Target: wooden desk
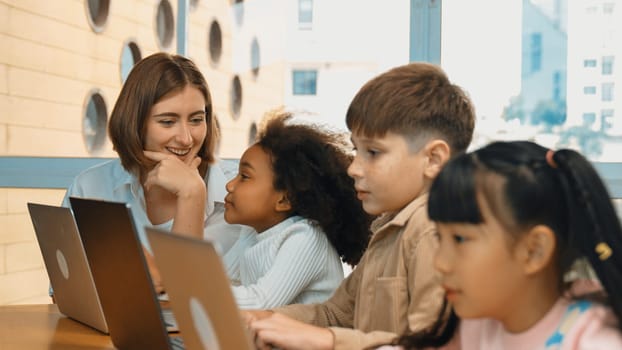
35,327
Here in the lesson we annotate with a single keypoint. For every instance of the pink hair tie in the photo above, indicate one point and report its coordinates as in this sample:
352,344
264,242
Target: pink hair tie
549,159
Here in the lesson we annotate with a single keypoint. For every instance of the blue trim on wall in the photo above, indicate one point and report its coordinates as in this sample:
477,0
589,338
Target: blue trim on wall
42,172
58,172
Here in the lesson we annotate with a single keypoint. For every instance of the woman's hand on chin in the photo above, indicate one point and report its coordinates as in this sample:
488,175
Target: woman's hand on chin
174,175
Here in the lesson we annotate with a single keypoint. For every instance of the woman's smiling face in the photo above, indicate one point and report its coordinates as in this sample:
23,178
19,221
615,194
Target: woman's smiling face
176,124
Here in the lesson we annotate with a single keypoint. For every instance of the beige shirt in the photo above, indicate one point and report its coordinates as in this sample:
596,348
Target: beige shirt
393,290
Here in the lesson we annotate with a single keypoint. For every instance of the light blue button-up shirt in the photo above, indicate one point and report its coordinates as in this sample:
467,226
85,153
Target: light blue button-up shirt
111,182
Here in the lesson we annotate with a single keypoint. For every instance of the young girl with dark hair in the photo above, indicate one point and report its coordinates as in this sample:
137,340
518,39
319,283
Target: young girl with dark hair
515,221
293,190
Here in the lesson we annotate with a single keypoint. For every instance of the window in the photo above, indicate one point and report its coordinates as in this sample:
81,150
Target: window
607,92
252,134
129,56
574,38
589,118
607,65
536,51
304,82
238,12
236,97
589,90
94,122
194,4
255,57
97,14
608,8
589,63
606,120
305,14
219,141
165,24
215,42
558,86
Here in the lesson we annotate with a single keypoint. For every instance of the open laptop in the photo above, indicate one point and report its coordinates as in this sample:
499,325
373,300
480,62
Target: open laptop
201,298
66,265
120,272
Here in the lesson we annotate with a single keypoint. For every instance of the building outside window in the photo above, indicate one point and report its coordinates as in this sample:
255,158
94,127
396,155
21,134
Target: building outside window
536,52
589,63
607,92
304,82
557,86
607,65
589,90
589,118
606,119
305,14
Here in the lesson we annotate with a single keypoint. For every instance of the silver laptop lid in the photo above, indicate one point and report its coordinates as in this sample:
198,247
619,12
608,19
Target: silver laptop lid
118,266
199,291
66,264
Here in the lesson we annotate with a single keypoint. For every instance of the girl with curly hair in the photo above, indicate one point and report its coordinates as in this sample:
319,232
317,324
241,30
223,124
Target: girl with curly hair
293,191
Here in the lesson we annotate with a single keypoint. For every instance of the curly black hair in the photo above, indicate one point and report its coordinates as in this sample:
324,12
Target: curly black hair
310,163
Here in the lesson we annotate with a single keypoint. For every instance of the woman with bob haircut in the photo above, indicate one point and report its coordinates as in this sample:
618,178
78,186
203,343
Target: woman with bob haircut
165,134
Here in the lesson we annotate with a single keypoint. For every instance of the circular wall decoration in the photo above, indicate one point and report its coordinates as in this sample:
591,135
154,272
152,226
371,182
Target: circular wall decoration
255,57
130,55
236,97
215,42
94,122
165,24
97,14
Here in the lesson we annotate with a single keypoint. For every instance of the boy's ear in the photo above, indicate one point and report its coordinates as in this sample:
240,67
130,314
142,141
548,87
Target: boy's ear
283,204
537,249
438,153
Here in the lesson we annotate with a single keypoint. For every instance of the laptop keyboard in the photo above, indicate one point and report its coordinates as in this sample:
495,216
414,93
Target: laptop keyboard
177,343
169,321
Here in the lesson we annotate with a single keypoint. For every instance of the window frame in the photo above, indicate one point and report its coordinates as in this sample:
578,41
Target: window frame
299,88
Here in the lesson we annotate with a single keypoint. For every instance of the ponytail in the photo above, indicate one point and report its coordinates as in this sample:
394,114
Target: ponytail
561,190
439,334
594,230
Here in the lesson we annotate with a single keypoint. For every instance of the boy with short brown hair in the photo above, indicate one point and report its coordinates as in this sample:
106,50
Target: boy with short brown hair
405,123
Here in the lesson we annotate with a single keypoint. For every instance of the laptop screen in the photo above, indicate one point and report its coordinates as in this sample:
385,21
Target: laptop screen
121,275
201,296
